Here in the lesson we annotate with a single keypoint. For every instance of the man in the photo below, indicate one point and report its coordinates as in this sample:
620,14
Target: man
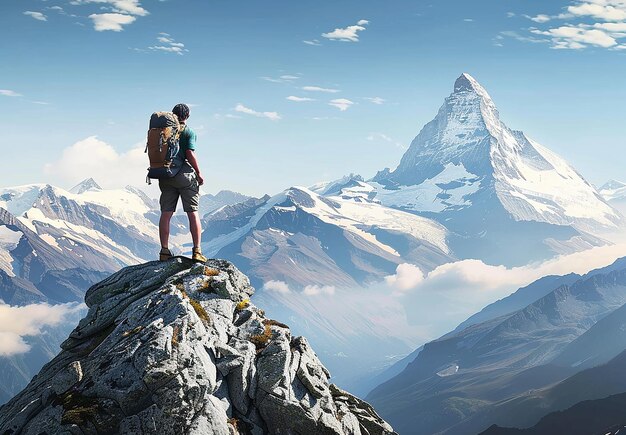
186,185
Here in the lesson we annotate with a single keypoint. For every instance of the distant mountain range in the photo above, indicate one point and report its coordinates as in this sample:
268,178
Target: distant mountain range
485,372
303,238
614,192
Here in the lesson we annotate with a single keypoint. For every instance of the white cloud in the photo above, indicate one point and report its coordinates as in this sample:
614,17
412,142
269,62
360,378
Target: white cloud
348,34
601,24
319,89
315,290
471,277
375,100
171,46
277,287
611,27
36,15
517,36
269,115
449,294
299,99
113,21
601,9
342,104
9,93
381,136
541,18
19,322
312,42
285,78
407,277
132,7
92,157
577,37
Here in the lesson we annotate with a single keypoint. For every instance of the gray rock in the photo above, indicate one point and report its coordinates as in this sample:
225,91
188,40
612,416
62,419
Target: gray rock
67,377
175,348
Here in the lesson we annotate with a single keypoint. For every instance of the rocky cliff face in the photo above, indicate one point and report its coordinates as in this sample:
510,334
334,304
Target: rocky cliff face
176,347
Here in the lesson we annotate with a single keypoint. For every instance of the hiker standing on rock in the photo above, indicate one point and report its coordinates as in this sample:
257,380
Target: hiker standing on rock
186,185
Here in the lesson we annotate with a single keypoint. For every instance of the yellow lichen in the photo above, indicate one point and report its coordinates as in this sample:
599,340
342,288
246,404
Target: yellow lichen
208,271
132,331
200,311
260,341
273,322
243,305
233,422
175,334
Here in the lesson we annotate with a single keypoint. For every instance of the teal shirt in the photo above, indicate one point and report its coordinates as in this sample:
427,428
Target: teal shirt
187,141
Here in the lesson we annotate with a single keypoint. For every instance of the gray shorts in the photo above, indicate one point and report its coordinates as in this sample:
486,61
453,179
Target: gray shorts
184,185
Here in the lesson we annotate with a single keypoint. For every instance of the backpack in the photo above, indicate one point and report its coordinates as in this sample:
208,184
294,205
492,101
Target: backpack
162,146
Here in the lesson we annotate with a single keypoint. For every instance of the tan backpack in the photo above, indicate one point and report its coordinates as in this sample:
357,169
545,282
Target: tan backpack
162,146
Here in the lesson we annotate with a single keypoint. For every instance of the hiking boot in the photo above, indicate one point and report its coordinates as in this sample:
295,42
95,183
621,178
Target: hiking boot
197,255
165,254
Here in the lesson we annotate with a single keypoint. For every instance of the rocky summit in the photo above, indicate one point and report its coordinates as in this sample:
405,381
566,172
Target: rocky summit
177,348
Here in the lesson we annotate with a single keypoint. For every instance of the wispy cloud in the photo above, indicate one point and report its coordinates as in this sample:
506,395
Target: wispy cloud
375,100
9,93
285,78
377,137
342,104
347,34
299,99
541,18
36,15
19,322
274,116
319,89
169,45
60,10
314,42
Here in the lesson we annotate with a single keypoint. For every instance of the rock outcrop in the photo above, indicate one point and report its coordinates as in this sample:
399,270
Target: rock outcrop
177,348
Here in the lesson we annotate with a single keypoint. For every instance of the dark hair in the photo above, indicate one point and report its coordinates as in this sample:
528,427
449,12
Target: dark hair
181,111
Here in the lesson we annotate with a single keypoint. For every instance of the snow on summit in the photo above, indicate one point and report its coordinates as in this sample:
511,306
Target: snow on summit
467,139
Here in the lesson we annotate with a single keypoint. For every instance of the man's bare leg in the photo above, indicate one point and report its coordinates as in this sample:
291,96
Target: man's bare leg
195,227
164,228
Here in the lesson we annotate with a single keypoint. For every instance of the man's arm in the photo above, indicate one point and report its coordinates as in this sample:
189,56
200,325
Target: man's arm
191,158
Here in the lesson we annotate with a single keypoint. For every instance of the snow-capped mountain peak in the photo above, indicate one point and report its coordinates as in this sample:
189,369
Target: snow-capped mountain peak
467,83
85,185
494,162
612,185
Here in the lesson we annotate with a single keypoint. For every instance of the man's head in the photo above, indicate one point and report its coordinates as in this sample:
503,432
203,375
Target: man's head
181,111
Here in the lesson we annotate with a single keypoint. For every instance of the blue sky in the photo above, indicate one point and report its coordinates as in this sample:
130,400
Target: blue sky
80,78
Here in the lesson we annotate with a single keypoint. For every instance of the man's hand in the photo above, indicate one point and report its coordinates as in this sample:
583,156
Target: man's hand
200,179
